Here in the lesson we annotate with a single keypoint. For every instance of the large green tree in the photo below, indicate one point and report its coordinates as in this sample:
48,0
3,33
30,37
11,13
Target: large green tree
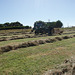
59,24
1,25
38,24
15,24
51,24
6,24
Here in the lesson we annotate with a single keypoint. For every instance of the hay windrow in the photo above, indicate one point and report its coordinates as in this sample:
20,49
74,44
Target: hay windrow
67,68
73,35
53,40
41,41
66,37
6,48
48,40
59,38
33,43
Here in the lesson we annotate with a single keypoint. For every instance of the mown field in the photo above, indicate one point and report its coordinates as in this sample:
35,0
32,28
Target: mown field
15,30
35,60
17,41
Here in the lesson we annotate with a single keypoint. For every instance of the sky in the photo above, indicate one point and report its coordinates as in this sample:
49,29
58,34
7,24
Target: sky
29,11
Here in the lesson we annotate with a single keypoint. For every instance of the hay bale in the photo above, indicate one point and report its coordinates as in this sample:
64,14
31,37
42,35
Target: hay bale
6,48
58,38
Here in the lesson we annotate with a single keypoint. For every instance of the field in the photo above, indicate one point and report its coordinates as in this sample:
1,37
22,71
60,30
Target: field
35,60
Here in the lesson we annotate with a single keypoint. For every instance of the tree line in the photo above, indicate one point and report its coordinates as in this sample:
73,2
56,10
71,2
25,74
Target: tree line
57,24
13,25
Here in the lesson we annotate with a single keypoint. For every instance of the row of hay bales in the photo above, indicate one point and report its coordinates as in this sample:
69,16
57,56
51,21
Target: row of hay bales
33,43
14,38
66,68
19,37
12,32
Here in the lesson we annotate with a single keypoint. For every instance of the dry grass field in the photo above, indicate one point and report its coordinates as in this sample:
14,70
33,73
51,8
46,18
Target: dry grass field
35,60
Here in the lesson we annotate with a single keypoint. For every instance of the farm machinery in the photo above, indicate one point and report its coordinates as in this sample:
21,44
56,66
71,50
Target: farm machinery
41,28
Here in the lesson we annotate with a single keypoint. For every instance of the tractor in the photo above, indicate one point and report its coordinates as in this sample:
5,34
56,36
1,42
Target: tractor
41,28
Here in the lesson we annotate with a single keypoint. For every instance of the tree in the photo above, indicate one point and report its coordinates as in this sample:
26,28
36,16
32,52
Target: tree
39,24
51,24
1,25
27,27
6,24
59,24
17,24
14,24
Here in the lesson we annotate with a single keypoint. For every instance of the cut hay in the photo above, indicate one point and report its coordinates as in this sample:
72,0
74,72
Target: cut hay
66,37
58,38
63,69
41,41
73,72
53,40
48,40
6,48
33,43
73,35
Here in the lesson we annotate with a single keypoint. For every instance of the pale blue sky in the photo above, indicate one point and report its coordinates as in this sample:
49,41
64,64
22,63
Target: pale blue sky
29,11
